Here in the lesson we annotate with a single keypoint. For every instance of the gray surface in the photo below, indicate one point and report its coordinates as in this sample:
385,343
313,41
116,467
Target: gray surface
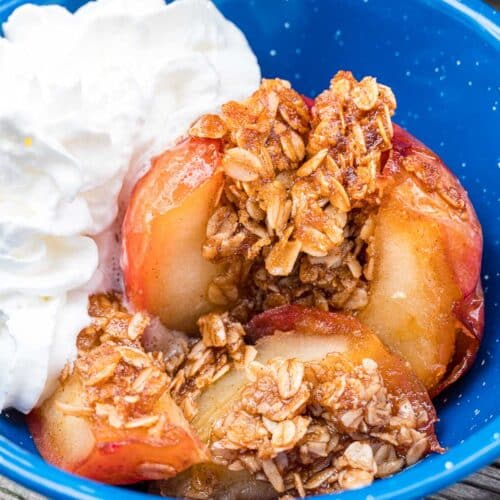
484,485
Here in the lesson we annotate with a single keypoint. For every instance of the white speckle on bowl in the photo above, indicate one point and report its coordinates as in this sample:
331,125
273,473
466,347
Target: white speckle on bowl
370,497
448,465
298,51
469,83
273,52
459,62
408,73
436,70
477,411
286,25
486,276
483,362
396,53
496,435
298,76
493,108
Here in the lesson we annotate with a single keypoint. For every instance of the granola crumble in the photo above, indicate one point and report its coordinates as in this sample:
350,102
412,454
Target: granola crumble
319,426
209,358
294,222
121,383
305,427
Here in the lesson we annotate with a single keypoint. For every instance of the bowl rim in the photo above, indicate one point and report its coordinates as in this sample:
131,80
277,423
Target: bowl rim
31,471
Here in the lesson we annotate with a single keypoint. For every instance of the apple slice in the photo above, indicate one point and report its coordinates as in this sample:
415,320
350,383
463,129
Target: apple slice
338,354
163,232
86,446
112,418
425,298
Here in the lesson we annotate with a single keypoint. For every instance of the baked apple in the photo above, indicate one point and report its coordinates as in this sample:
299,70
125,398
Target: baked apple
112,419
330,206
320,405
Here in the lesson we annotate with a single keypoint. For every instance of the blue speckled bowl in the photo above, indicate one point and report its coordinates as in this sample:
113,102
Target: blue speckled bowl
441,57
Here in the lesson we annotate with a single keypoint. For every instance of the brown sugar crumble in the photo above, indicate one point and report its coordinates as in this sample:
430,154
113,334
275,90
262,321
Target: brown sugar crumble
293,224
221,347
121,382
318,427
307,427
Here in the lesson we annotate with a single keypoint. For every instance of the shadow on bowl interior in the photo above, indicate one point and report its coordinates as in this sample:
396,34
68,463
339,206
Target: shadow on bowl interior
441,58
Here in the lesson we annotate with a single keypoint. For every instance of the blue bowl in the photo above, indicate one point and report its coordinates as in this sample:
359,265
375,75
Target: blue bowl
441,57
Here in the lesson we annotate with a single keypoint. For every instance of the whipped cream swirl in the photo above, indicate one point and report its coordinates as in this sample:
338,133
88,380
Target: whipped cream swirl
86,99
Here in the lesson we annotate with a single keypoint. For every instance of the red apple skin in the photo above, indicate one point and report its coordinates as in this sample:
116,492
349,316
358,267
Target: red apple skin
163,232
309,102
398,377
463,243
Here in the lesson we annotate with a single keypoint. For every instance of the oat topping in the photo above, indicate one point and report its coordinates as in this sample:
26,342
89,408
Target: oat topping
209,358
121,383
306,427
317,427
293,223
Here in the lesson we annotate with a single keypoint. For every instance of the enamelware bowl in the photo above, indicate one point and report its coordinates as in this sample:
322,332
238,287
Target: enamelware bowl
441,57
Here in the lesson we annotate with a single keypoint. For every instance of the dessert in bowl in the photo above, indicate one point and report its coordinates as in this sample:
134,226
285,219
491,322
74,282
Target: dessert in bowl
267,341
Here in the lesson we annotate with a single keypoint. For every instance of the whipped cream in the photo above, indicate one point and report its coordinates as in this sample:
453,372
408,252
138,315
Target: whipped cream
86,100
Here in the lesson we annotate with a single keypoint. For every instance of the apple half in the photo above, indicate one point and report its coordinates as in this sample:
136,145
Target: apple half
425,300
308,335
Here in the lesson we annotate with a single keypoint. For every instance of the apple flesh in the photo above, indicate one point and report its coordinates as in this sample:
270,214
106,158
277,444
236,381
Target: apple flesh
164,230
425,298
90,447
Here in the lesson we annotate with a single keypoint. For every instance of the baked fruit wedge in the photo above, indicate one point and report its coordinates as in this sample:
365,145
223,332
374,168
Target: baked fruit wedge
164,230
426,300
112,419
